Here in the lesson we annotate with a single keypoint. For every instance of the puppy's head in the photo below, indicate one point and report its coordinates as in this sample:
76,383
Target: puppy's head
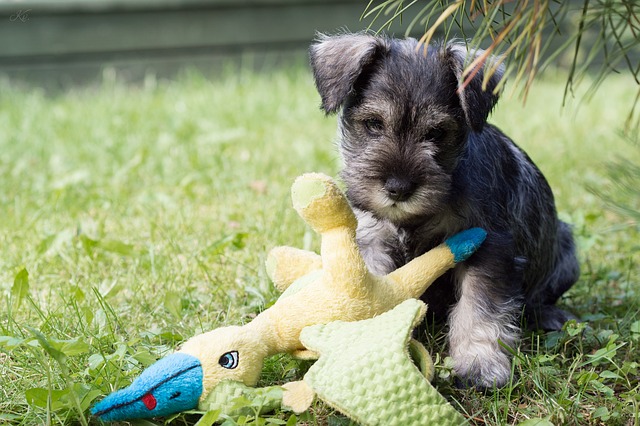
404,121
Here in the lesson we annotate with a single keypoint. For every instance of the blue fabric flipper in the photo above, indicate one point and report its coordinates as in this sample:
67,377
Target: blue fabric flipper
465,243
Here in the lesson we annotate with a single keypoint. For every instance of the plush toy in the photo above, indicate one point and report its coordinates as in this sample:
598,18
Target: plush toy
318,290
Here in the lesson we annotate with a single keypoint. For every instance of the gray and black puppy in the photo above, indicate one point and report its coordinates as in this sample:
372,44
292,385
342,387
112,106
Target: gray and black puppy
421,164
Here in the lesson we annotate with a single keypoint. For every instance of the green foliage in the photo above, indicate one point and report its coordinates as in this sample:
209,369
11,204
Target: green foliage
20,288
136,217
623,193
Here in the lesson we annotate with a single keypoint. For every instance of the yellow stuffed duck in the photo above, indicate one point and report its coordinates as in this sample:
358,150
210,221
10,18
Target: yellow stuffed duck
333,287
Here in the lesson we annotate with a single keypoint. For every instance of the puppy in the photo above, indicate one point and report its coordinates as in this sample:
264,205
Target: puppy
421,164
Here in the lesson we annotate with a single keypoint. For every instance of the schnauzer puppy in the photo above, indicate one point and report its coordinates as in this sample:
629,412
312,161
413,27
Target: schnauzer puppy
421,164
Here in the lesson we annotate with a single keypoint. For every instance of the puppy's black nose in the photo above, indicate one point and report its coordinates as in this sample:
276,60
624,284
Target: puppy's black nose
399,189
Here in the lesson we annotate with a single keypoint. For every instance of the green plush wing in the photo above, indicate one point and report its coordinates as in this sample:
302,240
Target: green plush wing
235,399
365,371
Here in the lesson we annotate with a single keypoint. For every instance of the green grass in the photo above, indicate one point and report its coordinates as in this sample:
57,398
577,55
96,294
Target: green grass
135,217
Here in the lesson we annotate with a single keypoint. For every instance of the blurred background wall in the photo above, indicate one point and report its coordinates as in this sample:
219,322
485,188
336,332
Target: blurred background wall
60,43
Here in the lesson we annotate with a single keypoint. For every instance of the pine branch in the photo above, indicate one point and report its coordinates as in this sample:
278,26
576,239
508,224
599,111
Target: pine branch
600,35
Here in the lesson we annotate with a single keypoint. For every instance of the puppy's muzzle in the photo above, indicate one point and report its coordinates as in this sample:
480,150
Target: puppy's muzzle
399,189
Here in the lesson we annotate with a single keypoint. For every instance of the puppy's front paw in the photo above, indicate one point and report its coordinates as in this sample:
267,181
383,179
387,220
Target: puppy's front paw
482,366
480,324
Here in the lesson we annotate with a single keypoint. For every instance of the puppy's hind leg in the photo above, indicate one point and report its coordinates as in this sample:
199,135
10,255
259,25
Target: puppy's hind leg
486,317
540,310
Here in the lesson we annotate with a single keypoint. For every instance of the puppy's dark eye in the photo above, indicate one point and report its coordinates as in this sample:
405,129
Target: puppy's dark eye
435,134
374,125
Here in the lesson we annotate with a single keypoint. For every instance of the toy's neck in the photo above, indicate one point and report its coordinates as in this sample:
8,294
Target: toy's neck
266,325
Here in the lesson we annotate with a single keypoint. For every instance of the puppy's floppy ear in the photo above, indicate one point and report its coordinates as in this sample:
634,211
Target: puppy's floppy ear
338,61
476,101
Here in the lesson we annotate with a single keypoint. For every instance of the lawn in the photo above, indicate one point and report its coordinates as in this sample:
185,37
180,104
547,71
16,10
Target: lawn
137,216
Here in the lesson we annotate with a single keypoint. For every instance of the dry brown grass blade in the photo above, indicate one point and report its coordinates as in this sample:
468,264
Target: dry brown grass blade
428,35
598,36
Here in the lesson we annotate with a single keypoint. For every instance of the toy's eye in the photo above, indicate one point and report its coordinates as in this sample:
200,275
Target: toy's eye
175,395
229,360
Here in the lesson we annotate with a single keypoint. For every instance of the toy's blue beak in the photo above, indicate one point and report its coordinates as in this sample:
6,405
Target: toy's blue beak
171,385
465,243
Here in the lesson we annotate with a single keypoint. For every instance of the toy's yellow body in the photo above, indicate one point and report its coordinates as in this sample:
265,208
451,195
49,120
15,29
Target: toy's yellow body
318,289
340,287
